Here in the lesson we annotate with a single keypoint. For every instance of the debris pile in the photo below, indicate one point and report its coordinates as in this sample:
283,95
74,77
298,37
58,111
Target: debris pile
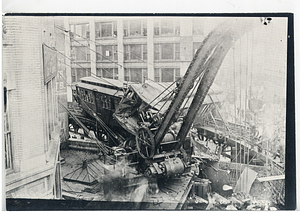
237,201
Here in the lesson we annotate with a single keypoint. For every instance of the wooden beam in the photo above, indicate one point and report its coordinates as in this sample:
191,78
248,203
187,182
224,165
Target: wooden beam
240,166
277,177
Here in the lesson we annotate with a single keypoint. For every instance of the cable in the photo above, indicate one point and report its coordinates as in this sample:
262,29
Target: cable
140,58
68,31
84,67
91,61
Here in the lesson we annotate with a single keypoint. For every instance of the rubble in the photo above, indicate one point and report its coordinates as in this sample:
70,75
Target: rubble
231,208
238,201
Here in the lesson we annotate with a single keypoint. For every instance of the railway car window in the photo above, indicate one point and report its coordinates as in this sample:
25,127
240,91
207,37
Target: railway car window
106,102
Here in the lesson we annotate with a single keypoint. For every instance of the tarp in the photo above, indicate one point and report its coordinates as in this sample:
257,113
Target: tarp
245,181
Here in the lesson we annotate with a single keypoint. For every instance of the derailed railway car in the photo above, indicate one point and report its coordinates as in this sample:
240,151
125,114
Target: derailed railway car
152,121
100,97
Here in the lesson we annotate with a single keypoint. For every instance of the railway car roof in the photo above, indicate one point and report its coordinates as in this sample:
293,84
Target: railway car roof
149,92
104,82
104,90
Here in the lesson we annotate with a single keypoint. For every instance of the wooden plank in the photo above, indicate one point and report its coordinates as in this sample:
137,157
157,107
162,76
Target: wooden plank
277,177
240,166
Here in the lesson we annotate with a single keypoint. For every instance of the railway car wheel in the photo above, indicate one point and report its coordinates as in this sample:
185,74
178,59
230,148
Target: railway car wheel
145,143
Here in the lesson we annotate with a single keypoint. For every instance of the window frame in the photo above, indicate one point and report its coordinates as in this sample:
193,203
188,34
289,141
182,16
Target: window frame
127,28
158,28
196,30
115,73
99,33
158,74
75,33
158,52
74,73
87,53
128,74
100,57
128,53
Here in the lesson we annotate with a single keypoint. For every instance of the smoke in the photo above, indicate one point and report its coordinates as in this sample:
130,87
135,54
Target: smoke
121,182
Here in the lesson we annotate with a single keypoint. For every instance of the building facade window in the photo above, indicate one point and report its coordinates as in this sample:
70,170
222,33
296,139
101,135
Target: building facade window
135,52
166,74
106,29
167,51
80,31
134,28
166,27
107,53
78,73
80,53
7,134
136,74
111,73
197,27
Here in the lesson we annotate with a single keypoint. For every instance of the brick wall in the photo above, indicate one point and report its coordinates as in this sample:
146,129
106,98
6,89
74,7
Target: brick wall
23,66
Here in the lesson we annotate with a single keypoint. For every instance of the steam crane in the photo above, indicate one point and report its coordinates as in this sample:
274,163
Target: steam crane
168,153
153,125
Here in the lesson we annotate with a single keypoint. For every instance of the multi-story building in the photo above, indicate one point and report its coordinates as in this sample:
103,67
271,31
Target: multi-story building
161,49
34,124
133,48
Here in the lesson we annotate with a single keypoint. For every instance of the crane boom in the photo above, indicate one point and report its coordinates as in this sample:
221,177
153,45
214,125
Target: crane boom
207,59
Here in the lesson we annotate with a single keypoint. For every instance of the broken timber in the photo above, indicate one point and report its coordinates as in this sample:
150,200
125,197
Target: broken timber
270,178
